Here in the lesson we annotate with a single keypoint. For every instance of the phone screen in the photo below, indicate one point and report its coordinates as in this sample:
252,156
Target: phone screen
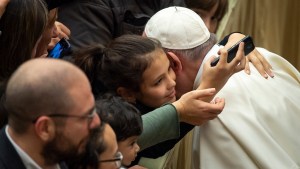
62,47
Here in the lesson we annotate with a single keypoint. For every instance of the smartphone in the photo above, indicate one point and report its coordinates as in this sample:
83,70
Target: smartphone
248,47
60,49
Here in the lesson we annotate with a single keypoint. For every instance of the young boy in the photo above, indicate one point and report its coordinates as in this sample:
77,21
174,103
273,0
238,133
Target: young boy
126,122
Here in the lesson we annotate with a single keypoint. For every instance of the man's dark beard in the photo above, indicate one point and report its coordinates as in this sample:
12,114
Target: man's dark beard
61,149
89,159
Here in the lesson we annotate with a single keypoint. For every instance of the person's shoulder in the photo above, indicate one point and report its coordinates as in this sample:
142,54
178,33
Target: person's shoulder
9,158
2,136
5,145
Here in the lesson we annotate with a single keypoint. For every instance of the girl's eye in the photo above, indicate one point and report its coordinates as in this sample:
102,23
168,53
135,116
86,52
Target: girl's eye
214,18
134,142
158,82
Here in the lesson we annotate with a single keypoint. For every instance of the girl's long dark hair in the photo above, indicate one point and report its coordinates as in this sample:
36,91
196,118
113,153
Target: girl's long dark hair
120,64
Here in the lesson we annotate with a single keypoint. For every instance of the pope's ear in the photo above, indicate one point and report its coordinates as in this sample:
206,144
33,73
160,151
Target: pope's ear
174,61
126,94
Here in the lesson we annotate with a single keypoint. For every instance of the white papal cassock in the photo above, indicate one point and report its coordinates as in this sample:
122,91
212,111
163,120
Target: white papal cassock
260,124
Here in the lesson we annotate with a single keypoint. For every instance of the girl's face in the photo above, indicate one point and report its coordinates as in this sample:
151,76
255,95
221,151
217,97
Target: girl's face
129,148
49,32
158,86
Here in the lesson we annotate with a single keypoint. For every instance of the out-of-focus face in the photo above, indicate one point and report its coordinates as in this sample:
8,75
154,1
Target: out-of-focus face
49,32
208,17
78,129
129,148
111,150
34,50
158,86
185,76
184,84
71,137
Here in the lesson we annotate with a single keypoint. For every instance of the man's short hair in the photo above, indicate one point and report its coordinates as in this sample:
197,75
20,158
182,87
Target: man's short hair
39,87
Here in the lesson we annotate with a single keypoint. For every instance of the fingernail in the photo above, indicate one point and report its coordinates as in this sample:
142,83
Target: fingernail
272,74
266,76
212,89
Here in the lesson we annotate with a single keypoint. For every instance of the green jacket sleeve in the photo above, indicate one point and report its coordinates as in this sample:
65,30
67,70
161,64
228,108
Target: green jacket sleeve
159,125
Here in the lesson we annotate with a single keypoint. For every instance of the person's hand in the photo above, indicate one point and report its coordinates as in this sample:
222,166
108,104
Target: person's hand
260,63
193,110
3,4
218,75
233,39
137,167
62,32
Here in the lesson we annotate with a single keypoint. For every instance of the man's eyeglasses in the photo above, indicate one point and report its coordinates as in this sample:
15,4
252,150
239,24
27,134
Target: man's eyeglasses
89,115
117,160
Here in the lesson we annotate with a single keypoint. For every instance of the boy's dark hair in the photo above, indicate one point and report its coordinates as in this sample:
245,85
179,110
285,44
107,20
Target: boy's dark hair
123,117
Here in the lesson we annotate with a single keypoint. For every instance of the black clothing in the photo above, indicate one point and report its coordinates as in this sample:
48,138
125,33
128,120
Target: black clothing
3,113
51,4
100,21
9,158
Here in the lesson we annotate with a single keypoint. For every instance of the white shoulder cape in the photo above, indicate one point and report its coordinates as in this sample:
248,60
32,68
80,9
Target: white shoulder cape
260,124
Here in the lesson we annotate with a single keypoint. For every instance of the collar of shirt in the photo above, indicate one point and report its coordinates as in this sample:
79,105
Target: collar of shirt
26,159
212,52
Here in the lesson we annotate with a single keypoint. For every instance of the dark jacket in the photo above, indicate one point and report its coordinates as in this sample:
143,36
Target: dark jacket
3,114
100,21
9,158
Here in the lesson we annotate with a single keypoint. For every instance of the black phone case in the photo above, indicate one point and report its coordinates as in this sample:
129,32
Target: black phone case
249,47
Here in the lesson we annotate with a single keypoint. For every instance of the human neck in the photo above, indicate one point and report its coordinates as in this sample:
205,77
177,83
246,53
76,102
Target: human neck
26,142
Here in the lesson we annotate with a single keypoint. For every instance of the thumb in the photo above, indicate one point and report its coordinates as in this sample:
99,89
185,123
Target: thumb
204,92
210,60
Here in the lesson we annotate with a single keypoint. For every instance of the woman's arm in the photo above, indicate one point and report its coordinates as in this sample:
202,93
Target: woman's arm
259,62
163,123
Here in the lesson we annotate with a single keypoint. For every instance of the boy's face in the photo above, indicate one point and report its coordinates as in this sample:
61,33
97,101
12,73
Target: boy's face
158,86
111,150
129,148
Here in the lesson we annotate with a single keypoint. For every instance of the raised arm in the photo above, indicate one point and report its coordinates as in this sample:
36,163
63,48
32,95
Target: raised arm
217,76
163,123
259,62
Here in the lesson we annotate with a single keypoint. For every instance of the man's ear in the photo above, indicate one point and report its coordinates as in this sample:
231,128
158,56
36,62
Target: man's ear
126,94
45,128
174,61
